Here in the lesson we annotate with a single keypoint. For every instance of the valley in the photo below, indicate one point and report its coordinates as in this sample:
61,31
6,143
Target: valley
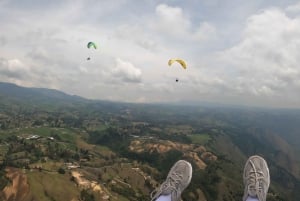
76,149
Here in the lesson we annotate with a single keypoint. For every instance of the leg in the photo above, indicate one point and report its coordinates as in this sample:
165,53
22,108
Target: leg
252,199
256,179
164,198
178,179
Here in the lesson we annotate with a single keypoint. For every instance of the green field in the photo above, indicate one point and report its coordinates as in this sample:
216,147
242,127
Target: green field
3,151
65,135
52,186
51,166
200,138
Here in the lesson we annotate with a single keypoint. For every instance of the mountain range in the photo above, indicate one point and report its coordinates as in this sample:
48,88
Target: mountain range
230,134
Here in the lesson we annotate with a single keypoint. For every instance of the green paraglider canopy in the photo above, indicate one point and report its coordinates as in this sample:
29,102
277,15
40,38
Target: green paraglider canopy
92,44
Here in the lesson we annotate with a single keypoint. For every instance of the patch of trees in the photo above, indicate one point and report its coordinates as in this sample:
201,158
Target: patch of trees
161,161
86,196
110,137
61,171
206,180
175,137
3,179
23,152
125,191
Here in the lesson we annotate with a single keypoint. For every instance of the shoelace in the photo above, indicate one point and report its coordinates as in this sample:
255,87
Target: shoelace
255,179
172,183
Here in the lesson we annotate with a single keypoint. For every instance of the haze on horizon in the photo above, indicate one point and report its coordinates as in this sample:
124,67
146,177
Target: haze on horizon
238,52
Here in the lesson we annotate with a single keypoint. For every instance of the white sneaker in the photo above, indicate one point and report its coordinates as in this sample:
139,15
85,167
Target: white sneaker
256,178
178,179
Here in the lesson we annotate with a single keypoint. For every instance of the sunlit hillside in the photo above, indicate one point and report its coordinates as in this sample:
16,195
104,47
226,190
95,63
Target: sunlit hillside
102,150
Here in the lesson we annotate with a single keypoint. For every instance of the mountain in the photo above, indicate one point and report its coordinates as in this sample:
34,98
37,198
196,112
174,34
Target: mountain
115,143
36,95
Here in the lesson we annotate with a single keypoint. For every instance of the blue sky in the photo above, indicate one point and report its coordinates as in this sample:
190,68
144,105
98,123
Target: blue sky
238,52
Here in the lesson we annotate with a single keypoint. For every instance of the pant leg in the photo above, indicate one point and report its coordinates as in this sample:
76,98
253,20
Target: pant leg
252,198
164,198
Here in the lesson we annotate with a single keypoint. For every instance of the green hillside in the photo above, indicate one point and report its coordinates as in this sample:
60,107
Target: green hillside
123,151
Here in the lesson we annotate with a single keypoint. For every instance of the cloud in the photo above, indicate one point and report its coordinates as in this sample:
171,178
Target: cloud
141,37
13,68
173,22
43,44
266,61
205,31
41,55
295,8
126,71
23,73
2,41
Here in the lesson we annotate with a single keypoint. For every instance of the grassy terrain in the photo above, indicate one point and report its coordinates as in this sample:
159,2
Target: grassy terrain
3,151
52,166
52,186
89,126
4,134
66,135
200,138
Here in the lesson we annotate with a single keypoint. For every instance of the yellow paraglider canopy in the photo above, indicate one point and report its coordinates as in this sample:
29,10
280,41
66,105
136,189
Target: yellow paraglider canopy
182,62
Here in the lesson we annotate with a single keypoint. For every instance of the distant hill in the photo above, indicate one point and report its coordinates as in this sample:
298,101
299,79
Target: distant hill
16,92
14,96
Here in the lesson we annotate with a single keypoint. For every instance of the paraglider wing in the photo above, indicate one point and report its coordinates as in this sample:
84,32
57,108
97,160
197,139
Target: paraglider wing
92,44
180,61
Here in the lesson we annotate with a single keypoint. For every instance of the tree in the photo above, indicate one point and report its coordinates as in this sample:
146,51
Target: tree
61,171
86,196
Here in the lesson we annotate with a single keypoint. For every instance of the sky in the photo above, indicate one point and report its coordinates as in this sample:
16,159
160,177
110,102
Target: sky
237,52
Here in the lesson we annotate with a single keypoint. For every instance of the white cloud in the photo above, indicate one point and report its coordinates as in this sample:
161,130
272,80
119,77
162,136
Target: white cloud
2,41
266,61
22,72
13,68
141,38
205,31
295,8
126,71
173,22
